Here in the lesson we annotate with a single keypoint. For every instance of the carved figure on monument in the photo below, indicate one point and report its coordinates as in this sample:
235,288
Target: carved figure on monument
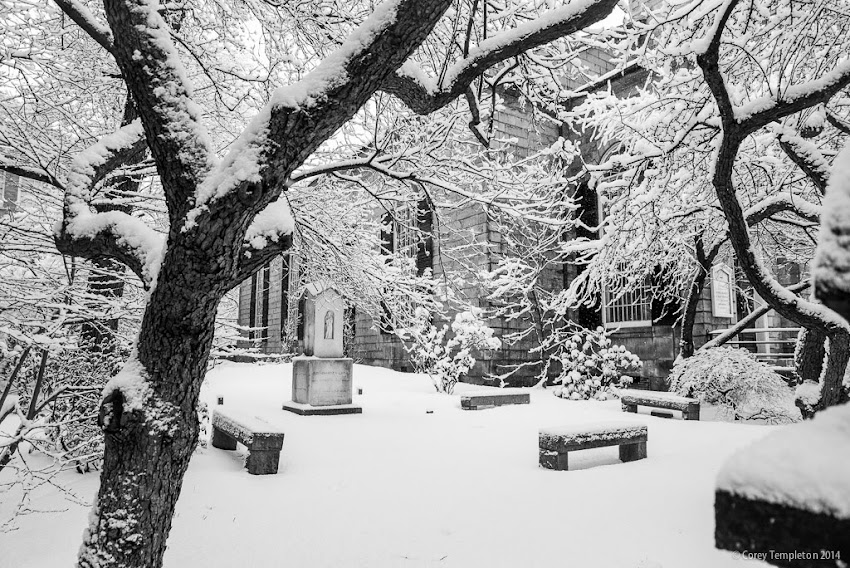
329,325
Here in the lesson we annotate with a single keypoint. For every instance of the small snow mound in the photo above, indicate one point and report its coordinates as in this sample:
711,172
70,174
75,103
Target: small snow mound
132,383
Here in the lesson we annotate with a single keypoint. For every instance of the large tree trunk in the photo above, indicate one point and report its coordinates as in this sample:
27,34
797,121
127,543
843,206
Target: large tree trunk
148,448
686,344
810,353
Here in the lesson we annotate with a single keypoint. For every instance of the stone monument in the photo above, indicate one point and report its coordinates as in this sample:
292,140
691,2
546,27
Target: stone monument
321,379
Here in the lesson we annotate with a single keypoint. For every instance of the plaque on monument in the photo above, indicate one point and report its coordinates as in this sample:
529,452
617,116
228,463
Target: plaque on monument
321,380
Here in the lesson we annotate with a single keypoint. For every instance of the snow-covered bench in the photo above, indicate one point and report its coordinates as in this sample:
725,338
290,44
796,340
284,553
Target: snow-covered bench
556,443
631,399
477,400
789,492
263,440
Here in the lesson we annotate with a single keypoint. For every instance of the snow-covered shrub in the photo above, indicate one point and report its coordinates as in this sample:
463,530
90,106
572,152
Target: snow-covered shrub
743,387
589,363
447,361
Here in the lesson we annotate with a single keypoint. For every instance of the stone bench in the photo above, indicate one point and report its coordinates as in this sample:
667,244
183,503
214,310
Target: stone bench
631,399
478,400
263,440
556,443
789,492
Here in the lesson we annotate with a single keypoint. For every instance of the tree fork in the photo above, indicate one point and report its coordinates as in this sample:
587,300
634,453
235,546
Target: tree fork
734,132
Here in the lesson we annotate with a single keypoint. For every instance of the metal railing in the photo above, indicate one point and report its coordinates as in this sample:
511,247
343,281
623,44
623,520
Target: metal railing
766,345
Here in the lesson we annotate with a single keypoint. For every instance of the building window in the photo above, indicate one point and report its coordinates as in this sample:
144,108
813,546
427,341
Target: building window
9,190
408,232
252,308
632,308
284,298
722,291
259,306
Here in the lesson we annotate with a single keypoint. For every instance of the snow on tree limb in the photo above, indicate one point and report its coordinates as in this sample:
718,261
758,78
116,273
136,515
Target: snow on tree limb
34,174
806,156
163,96
270,224
93,163
253,259
770,206
762,111
735,129
111,234
302,116
81,16
423,95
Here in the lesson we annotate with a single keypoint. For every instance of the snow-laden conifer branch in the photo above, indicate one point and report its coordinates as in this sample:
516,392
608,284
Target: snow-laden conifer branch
424,95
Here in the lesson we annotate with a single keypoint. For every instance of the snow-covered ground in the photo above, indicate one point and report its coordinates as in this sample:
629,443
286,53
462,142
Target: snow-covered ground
397,486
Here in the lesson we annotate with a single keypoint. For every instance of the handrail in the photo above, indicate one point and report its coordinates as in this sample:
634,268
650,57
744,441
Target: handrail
757,330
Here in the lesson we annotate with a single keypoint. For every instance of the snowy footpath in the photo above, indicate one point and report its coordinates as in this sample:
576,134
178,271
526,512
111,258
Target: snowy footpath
399,486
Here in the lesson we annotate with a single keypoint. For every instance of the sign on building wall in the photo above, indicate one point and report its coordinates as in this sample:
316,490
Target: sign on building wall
722,291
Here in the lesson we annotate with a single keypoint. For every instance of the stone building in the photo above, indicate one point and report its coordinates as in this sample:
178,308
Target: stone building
266,299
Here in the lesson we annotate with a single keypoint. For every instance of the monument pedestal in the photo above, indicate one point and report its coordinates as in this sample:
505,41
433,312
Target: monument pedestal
321,386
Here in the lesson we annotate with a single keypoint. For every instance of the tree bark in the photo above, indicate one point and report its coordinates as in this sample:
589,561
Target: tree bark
811,350
148,448
686,343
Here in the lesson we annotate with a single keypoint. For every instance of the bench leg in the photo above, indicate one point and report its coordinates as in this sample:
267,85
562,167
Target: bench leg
553,460
630,408
632,452
222,441
692,413
262,462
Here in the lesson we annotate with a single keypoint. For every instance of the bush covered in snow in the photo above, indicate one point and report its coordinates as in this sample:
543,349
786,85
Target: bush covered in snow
590,364
447,361
732,379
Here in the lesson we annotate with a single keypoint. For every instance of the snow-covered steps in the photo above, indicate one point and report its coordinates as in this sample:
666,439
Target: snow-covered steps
631,399
489,399
790,492
263,440
556,443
